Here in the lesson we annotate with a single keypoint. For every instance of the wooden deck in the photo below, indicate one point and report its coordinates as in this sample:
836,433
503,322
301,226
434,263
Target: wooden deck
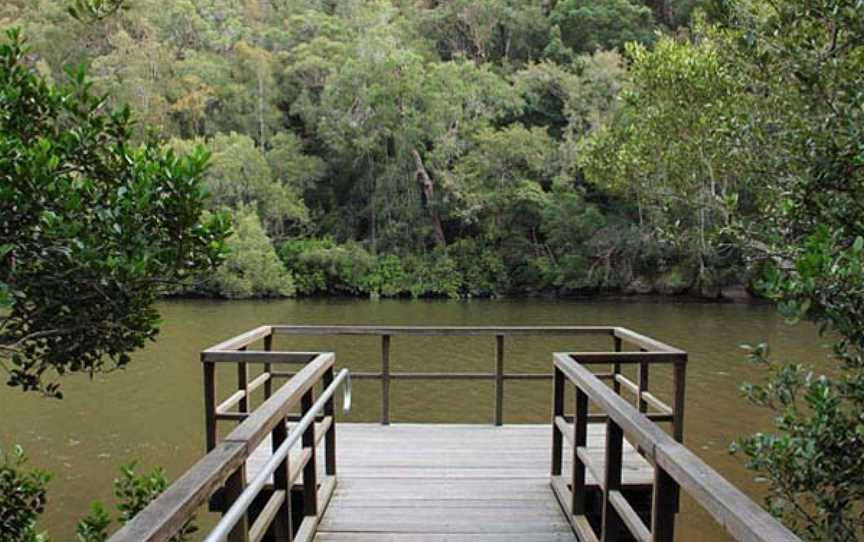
446,483
413,482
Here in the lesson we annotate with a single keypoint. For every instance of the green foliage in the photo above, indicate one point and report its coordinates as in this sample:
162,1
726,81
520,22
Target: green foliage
95,9
133,492
323,266
92,227
586,26
291,166
22,498
801,138
252,268
486,30
93,527
239,174
815,455
390,126
668,147
463,269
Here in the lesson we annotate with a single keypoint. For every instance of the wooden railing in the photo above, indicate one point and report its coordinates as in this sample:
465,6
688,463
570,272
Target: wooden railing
222,472
675,468
235,351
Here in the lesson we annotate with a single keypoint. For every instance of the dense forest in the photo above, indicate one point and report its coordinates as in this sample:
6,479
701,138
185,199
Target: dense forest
407,147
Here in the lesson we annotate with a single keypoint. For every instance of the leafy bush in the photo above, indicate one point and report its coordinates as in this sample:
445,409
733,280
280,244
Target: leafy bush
433,275
464,269
252,268
388,278
323,266
481,270
22,498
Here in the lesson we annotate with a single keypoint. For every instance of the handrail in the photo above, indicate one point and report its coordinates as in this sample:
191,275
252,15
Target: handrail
675,468
221,474
235,351
241,505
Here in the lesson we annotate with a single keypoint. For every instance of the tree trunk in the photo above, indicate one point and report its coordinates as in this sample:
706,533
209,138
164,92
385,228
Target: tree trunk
373,213
428,188
662,11
260,110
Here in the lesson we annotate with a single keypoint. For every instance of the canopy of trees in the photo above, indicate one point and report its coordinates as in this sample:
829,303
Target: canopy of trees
429,147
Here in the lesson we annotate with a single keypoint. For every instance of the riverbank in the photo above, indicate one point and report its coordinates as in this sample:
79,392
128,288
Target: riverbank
729,294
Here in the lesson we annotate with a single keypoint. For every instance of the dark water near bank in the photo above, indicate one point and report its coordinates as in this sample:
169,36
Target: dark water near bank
152,411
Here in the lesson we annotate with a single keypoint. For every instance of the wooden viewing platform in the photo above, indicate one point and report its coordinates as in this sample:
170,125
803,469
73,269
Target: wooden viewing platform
602,469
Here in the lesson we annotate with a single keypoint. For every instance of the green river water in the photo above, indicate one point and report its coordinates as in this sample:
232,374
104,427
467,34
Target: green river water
152,411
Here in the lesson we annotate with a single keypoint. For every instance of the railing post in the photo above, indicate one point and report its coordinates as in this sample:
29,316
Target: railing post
210,404
282,522
643,386
310,482
234,486
580,439
243,384
614,449
330,437
664,504
679,378
616,367
268,367
385,379
499,380
557,410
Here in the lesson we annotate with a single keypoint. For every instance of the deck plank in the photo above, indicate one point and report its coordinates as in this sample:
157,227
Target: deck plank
450,483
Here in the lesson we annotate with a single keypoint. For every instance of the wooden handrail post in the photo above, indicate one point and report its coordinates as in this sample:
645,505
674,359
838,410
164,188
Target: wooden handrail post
616,367
243,384
614,450
643,387
310,482
210,404
580,439
499,380
664,504
330,437
234,486
281,528
385,379
679,380
557,410
268,367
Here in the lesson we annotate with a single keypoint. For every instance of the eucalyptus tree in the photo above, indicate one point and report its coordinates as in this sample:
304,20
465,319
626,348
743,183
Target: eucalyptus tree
402,119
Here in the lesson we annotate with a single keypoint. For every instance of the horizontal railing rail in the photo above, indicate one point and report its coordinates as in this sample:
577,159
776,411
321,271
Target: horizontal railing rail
237,351
675,468
222,471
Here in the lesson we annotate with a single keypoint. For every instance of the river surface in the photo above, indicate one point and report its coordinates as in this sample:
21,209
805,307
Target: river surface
152,411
